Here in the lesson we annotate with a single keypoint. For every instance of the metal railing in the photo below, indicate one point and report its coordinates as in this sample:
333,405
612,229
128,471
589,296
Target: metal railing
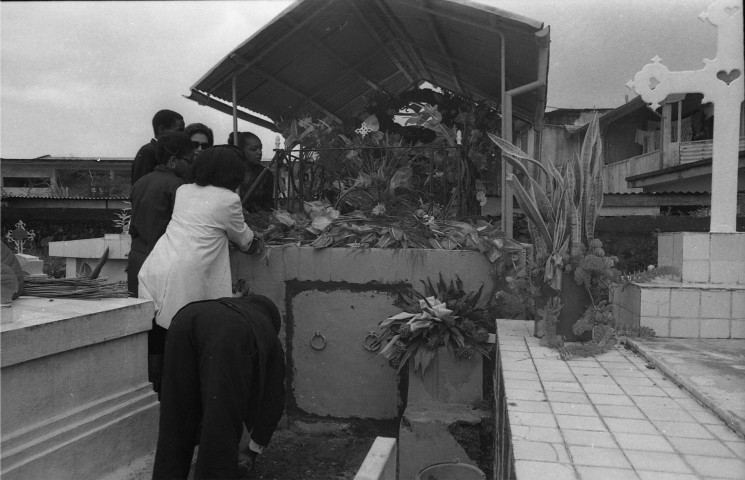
440,176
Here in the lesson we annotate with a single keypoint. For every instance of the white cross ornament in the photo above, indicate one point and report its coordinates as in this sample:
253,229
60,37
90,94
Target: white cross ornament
721,83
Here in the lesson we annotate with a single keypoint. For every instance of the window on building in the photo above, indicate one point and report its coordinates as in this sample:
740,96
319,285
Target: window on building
25,182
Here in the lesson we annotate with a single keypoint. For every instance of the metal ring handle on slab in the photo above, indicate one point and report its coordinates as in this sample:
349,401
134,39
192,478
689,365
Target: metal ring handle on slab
318,341
371,342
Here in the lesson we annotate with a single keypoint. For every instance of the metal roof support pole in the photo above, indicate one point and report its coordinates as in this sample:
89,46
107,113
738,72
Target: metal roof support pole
507,213
507,220
235,109
506,190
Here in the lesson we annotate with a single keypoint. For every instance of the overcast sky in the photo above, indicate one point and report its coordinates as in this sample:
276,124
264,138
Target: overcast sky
85,78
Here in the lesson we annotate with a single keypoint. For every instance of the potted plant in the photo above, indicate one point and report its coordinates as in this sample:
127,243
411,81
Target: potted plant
561,203
444,318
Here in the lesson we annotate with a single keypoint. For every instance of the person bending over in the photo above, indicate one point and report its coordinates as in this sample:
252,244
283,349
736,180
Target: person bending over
224,368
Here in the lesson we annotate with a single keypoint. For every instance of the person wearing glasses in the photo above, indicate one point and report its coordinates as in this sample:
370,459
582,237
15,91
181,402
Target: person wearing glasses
201,137
153,197
191,262
146,159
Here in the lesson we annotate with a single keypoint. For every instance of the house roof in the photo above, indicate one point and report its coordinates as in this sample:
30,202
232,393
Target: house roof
326,58
70,162
691,102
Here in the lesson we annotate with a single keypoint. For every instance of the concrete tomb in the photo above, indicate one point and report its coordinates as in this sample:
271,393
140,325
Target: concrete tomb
76,403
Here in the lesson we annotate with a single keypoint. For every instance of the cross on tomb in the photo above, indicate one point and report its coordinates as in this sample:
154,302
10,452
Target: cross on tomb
20,235
721,83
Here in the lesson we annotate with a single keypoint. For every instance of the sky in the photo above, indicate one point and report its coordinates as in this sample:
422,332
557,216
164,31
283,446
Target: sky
85,78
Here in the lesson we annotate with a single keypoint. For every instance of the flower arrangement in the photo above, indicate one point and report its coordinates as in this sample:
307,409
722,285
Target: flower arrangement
322,226
443,316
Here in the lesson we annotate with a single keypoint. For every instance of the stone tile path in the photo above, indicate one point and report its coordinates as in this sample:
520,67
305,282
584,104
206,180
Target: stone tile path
712,370
614,416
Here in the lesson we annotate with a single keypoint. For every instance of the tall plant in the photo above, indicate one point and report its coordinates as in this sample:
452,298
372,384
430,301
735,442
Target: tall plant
561,201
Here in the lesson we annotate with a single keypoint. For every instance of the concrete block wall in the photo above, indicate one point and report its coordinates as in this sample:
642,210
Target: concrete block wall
683,310
709,299
704,257
444,397
342,294
510,369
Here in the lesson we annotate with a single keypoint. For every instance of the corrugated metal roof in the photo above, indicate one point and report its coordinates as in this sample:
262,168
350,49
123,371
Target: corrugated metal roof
50,197
326,57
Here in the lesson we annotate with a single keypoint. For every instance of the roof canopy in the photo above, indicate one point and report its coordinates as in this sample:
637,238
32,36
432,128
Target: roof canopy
326,58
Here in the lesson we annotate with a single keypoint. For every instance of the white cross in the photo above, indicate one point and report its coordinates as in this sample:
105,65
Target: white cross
721,83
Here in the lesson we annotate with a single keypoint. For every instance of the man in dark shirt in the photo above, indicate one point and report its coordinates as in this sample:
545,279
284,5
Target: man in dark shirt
224,369
153,197
146,159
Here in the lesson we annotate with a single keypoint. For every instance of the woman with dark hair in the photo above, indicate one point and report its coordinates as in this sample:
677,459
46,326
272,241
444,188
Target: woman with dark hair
191,262
201,137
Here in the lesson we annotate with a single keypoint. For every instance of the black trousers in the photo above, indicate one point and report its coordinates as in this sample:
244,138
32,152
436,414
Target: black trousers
156,337
207,379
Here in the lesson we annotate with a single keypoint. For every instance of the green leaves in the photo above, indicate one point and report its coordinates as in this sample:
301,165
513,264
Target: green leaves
444,315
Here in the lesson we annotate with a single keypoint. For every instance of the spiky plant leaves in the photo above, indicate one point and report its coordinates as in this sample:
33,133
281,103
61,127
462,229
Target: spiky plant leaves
585,323
604,336
531,209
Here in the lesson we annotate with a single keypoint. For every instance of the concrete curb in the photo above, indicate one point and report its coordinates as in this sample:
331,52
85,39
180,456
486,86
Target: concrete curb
731,420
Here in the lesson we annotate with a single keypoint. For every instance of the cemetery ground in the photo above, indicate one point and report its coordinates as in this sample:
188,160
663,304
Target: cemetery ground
303,448
710,370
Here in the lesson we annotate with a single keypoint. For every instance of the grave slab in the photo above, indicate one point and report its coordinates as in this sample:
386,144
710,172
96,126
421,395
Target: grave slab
76,402
81,255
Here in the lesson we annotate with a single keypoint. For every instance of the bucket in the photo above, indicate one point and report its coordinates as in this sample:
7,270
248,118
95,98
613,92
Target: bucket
450,471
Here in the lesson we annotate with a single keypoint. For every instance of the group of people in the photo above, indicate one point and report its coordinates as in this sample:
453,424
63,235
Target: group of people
215,361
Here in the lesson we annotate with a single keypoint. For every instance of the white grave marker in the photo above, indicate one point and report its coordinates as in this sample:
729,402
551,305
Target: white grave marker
721,83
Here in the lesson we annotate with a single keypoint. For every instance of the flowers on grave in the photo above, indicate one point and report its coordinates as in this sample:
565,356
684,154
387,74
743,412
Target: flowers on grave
378,210
370,124
481,197
322,226
321,215
445,315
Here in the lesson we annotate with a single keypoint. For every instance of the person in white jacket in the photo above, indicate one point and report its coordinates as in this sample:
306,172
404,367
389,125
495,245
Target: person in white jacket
190,262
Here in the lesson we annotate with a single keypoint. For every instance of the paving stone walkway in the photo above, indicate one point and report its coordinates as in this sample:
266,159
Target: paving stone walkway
712,370
614,416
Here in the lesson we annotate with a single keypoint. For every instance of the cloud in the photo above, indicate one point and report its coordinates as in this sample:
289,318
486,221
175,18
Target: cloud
90,75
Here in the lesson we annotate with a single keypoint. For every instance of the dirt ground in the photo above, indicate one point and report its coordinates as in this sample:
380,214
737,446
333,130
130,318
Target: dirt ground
315,451
319,450
302,448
